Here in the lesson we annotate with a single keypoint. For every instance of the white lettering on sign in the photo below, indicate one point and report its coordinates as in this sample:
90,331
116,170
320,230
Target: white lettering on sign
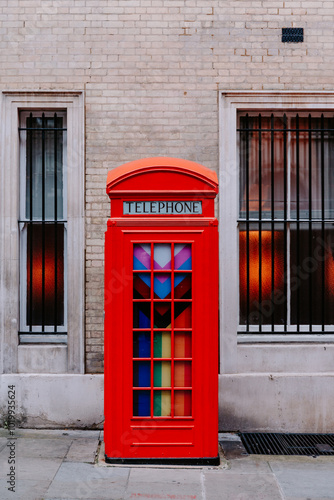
162,207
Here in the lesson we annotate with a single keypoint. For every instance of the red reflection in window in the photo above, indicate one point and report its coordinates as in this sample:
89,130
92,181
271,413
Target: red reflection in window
264,301
45,277
329,272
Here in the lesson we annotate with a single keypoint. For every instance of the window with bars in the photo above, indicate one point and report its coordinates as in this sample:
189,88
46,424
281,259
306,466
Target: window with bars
286,222
42,223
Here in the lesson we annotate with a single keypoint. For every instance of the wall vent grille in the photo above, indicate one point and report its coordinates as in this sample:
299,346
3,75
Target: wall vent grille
292,35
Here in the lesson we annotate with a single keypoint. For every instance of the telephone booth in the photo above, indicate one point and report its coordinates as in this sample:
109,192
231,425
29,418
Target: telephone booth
161,314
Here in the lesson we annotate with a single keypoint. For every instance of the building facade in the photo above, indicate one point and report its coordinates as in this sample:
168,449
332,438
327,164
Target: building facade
88,85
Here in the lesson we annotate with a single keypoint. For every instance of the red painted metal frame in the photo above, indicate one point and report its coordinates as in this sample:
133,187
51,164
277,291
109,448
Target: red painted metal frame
129,438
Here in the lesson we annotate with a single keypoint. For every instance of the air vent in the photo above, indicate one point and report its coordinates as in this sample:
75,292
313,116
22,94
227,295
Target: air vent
292,35
288,444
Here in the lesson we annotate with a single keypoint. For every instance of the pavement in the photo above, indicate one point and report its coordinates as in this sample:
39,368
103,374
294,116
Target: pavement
69,464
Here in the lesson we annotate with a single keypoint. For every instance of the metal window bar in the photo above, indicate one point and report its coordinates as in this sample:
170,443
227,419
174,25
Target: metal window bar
31,239
32,131
247,224
322,219
55,222
310,215
253,137
272,168
260,223
298,222
285,215
43,222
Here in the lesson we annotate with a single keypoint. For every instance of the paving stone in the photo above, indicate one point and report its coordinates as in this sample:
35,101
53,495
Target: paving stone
83,450
179,484
307,479
240,486
55,433
39,469
48,448
24,490
249,465
43,469
78,481
3,442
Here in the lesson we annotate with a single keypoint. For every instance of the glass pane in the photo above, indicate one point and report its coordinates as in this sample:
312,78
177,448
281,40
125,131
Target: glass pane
182,403
182,257
182,286
141,374
141,403
182,373
182,315
182,344
141,315
162,256
162,345
162,315
310,167
142,256
270,305
141,344
162,404
265,166
45,274
312,276
51,163
142,286
162,374
162,286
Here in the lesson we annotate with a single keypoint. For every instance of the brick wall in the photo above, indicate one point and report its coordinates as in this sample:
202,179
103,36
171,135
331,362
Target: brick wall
151,70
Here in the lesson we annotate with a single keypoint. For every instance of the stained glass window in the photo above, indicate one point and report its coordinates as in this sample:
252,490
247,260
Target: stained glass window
162,335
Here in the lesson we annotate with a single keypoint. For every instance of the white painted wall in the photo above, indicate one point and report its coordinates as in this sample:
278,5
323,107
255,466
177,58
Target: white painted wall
268,401
54,401
277,402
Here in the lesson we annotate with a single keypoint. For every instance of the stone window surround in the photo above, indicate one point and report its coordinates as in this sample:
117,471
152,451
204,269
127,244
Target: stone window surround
41,358
230,104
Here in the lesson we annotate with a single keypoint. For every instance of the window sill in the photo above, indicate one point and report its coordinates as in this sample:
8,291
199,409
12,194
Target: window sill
279,338
59,338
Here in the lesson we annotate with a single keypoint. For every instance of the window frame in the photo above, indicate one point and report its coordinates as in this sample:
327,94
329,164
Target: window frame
230,104
47,335
71,355
265,219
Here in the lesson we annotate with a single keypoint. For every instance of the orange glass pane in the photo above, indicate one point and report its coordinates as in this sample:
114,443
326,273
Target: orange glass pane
45,276
182,344
182,403
182,374
266,304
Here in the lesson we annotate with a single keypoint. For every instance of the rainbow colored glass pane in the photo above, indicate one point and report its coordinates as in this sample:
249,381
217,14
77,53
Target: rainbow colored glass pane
169,329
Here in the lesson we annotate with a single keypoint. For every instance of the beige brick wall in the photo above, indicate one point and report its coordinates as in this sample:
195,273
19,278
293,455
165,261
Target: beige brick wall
151,70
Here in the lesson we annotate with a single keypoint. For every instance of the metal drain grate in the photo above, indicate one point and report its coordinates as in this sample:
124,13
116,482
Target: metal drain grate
257,443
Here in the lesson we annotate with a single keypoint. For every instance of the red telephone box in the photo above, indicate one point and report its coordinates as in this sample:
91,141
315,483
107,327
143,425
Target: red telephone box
161,314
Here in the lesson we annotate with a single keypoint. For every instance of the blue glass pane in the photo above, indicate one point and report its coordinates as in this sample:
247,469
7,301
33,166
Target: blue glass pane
141,374
141,403
142,345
